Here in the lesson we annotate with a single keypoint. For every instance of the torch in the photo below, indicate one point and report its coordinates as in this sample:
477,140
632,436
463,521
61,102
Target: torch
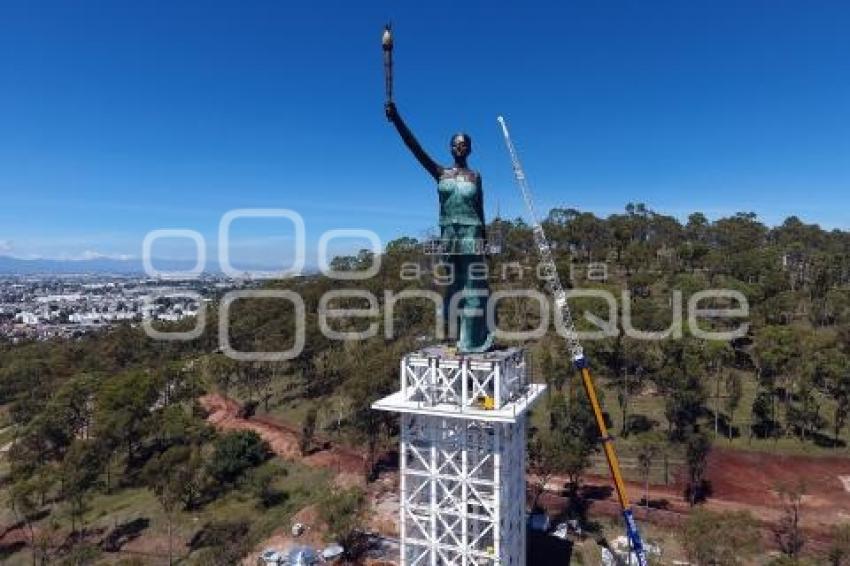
387,44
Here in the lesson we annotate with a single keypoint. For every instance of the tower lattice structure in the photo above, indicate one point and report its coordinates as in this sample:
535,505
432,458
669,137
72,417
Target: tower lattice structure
462,456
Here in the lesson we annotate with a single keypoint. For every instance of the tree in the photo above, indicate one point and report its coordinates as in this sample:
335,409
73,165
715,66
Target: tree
342,511
573,438
80,471
559,416
777,355
718,354
576,434
762,423
803,411
734,391
839,548
697,449
543,453
23,502
308,430
43,481
221,371
403,245
123,409
840,391
683,406
175,425
262,483
235,452
788,533
640,358
547,369
681,380
254,379
575,458
373,373
189,474
69,411
649,448
720,539
325,372
553,452
165,477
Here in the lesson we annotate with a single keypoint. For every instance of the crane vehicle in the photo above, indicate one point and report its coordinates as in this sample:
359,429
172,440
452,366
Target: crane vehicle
550,271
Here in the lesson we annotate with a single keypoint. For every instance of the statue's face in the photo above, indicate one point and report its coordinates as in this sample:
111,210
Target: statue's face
461,146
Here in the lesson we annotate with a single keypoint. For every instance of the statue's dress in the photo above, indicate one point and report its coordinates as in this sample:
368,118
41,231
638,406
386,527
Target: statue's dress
463,238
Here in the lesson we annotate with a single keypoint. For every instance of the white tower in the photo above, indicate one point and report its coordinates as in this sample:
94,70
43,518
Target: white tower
462,456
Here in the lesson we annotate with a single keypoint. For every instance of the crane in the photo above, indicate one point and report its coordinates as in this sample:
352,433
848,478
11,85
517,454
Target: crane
550,271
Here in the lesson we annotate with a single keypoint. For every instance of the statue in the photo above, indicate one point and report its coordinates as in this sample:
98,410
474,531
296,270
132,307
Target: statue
462,226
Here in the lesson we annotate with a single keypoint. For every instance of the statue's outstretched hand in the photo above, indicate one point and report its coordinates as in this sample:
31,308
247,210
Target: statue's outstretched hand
391,111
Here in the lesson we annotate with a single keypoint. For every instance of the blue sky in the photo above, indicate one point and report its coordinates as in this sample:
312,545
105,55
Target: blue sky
123,117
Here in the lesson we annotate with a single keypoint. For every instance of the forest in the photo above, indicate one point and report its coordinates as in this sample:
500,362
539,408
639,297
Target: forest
106,421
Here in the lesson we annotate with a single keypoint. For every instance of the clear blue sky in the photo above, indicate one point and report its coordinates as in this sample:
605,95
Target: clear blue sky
122,117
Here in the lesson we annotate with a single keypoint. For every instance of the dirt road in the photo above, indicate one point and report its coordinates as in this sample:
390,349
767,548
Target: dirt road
283,439
740,480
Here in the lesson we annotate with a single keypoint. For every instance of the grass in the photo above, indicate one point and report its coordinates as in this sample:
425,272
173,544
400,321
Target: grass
289,406
301,485
7,435
651,406
665,538
607,529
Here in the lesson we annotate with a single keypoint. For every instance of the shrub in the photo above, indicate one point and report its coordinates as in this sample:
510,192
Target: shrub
236,452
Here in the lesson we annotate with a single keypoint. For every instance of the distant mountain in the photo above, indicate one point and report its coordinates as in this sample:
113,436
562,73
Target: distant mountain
18,266
103,265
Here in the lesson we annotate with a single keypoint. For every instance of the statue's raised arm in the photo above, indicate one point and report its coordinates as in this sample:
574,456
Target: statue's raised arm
433,168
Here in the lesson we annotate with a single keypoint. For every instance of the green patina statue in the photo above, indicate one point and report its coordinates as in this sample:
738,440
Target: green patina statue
462,237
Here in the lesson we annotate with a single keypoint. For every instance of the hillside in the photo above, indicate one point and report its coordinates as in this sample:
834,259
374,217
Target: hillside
108,450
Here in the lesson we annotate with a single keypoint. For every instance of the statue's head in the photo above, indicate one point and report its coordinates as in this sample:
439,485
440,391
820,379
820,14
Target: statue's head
461,145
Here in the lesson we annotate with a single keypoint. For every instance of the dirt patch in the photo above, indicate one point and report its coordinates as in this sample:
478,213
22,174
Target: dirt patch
283,440
384,512
740,481
154,545
15,535
753,479
348,467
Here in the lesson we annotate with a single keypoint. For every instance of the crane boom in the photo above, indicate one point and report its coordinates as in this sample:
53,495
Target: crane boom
550,271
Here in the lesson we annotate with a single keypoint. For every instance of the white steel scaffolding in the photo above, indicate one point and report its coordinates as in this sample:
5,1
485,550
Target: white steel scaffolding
462,456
